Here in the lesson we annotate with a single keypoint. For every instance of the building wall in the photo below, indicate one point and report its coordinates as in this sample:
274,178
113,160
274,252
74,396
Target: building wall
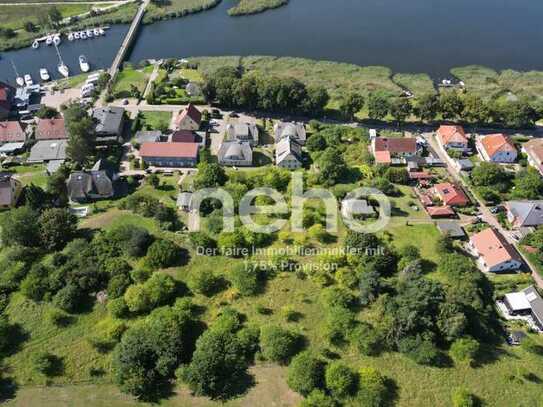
170,161
504,157
237,163
289,163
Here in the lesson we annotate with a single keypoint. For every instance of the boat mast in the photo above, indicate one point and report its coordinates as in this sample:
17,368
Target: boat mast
58,53
14,68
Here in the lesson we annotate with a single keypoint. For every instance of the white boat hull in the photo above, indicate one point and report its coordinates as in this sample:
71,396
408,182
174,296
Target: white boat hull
63,70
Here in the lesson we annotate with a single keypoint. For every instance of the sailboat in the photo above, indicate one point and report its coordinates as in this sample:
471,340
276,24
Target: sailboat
28,80
44,75
83,63
18,79
62,67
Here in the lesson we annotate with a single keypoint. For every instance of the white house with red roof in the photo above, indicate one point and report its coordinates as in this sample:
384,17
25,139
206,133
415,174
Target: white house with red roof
189,118
493,252
451,194
534,151
385,149
452,137
170,154
11,132
497,148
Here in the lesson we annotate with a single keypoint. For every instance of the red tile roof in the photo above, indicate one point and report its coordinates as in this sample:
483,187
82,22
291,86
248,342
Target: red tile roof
382,157
5,98
51,129
11,132
494,143
493,247
451,194
396,145
169,150
420,175
452,134
183,136
191,112
437,211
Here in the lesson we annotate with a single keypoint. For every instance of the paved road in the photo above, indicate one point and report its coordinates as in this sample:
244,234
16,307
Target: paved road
486,215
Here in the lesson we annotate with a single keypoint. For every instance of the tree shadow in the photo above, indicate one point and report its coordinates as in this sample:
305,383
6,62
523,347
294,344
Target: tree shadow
17,335
391,395
8,389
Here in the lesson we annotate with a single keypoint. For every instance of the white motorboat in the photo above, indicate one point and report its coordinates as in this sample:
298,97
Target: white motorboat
56,39
49,40
36,44
83,63
28,80
96,32
62,67
102,31
76,35
44,75
19,80
71,37
83,35
89,33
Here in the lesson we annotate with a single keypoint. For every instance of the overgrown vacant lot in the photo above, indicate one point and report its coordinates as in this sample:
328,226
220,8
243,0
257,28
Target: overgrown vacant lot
490,84
419,84
15,16
176,8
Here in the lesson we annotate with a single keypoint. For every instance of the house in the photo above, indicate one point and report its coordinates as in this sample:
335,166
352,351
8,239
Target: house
153,136
524,213
296,131
48,150
12,148
353,207
247,132
7,92
288,154
184,201
451,229
497,148
11,132
51,129
452,137
444,211
10,190
170,154
450,194
109,123
188,136
463,164
494,252
527,302
189,118
235,153
385,150
85,186
534,150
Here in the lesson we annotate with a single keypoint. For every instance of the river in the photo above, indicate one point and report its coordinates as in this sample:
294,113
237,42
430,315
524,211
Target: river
428,36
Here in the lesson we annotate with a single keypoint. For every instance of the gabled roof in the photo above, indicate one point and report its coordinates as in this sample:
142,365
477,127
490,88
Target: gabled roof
452,134
493,248
242,132
47,150
396,145
109,119
83,185
151,136
534,148
382,157
296,131
7,183
235,151
169,150
495,143
51,129
526,213
11,131
451,194
356,207
285,147
183,136
189,111
437,211
536,303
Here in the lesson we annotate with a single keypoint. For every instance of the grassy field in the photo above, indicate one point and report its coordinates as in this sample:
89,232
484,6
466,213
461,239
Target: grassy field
130,77
418,84
156,120
28,174
176,8
245,7
16,16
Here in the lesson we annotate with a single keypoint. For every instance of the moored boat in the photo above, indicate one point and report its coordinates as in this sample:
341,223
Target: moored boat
36,44
28,80
77,35
44,74
71,37
83,35
83,63
89,33
49,40
56,39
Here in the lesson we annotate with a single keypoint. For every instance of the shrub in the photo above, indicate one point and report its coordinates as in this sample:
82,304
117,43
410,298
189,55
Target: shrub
464,350
461,397
117,307
117,285
57,317
318,398
200,240
278,344
137,299
245,279
162,254
305,373
68,298
371,388
45,363
366,339
205,282
337,297
421,351
340,380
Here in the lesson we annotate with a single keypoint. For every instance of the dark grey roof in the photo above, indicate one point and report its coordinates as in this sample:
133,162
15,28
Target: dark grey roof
285,147
6,188
295,131
152,136
86,185
536,302
452,229
47,150
235,151
109,120
54,165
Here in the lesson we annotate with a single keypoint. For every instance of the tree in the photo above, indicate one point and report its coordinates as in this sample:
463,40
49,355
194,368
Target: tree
316,142
153,180
528,184
450,105
68,298
30,27
340,380
332,166
490,174
57,227
305,373
81,134
464,350
35,197
372,387
400,109
47,112
218,365
318,398
366,339
378,105
55,15
422,351
209,175
475,109
205,282
245,279
162,254
278,344
21,227
351,104
427,107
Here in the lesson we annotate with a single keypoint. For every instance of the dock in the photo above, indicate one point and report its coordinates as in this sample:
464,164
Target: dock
128,40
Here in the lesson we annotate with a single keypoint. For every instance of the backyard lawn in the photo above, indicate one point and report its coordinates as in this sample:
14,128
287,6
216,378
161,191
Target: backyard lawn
130,78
